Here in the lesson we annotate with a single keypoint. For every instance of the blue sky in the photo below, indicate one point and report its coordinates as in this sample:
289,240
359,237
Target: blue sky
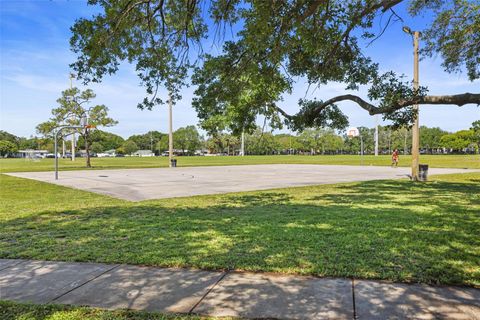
35,55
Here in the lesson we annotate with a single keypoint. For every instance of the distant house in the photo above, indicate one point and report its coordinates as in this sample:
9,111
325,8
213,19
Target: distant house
107,154
31,153
143,153
176,152
201,152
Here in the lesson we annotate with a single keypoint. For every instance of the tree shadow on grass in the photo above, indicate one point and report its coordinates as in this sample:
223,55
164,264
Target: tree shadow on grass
401,193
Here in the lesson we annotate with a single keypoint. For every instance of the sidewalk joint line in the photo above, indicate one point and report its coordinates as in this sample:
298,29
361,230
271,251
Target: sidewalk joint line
81,285
208,291
353,299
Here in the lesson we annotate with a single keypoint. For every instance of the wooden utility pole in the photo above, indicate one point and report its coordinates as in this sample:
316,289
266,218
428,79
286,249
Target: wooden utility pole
415,128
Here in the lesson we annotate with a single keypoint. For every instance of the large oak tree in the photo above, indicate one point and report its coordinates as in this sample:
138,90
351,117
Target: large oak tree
265,45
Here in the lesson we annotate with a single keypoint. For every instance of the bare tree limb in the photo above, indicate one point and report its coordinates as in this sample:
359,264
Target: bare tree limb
382,32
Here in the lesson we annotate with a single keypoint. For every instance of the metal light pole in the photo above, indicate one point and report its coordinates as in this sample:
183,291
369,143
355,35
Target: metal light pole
170,131
415,127
56,155
73,135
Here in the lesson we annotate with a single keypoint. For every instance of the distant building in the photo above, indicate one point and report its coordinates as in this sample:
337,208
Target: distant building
107,154
31,153
176,152
201,152
143,153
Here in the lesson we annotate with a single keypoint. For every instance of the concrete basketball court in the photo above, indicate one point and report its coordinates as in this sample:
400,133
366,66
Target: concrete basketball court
156,183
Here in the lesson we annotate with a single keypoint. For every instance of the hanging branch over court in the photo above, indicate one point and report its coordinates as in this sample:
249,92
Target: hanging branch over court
457,99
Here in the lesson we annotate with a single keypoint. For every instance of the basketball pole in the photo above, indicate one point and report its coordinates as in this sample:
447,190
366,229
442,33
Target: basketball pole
354,132
56,132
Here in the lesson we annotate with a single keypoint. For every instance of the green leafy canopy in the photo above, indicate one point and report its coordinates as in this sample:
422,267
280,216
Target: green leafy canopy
242,56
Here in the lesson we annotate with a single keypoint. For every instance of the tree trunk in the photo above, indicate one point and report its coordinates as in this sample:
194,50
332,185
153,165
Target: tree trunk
87,149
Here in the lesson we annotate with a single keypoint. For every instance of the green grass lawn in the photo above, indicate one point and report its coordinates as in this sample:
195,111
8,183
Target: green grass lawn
396,230
22,311
441,161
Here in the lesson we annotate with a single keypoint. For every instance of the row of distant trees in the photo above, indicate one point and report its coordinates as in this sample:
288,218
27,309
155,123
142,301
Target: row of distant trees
186,138
327,141
310,141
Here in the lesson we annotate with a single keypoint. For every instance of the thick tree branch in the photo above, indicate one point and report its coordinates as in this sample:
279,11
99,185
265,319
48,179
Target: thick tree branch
283,112
457,99
387,4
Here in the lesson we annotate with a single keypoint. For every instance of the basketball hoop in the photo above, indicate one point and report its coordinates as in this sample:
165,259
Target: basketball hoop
84,122
353,132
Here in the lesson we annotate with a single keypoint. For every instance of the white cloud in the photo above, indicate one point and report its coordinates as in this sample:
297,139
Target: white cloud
34,82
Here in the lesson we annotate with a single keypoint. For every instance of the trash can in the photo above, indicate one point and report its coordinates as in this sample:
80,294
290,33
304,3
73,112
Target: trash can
173,163
422,172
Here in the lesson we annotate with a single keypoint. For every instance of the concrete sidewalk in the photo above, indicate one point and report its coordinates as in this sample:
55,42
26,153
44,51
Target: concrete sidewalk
249,295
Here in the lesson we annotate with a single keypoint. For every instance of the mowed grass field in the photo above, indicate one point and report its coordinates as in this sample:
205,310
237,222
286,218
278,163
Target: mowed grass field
439,161
392,229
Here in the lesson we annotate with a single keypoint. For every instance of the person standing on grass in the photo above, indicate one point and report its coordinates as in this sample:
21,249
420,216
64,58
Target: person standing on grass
395,158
